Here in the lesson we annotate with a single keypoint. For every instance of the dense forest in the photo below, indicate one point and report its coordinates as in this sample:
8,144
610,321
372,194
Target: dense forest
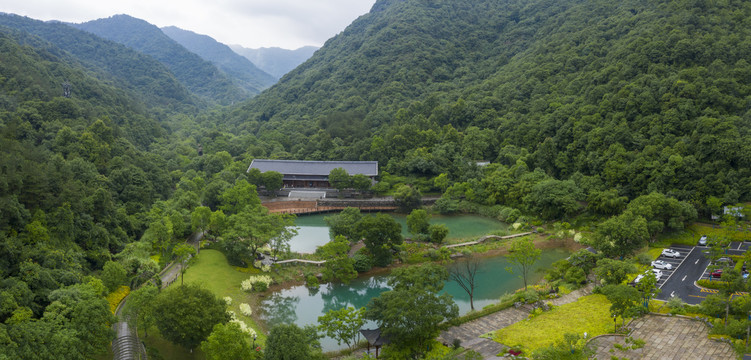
635,112
632,96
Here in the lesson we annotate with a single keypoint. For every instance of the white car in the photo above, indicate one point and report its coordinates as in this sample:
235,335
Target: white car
658,274
703,240
661,264
670,253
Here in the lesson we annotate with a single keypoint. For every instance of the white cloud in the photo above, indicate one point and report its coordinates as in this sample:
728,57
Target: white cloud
250,23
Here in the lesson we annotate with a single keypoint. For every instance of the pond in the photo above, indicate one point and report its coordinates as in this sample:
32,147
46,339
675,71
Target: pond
313,232
303,306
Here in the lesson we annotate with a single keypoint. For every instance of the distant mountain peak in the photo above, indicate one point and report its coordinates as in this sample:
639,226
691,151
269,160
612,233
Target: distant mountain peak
240,69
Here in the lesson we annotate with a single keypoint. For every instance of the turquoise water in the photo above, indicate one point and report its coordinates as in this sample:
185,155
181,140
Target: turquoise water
303,306
312,230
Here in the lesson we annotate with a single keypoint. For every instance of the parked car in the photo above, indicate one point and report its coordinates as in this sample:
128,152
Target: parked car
670,253
724,261
703,240
716,274
662,264
658,273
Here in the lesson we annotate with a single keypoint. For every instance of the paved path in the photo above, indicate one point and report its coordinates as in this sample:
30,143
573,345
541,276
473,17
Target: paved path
667,338
469,333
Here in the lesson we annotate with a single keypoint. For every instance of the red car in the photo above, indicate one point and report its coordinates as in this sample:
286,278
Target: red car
717,273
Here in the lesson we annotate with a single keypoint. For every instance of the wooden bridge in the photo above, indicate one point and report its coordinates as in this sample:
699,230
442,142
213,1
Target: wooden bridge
323,206
487,237
302,261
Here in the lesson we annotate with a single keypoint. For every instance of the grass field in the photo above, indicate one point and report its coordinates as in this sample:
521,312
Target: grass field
589,314
692,233
212,271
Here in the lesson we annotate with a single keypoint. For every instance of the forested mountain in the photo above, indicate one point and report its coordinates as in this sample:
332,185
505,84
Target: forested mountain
76,182
147,78
199,76
633,96
239,69
276,61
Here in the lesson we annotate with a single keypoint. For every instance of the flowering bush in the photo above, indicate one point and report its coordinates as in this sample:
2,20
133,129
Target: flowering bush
228,300
516,226
232,315
266,268
245,309
257,264
243,327
259,283
117,296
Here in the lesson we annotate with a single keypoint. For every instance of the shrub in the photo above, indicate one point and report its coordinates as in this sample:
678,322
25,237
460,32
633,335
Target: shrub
677,306
311,281
363,262
438,233
711,284
257,283
644,259
575,275
245,309
117,296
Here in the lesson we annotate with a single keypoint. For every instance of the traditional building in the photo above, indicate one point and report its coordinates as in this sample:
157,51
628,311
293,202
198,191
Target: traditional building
313,174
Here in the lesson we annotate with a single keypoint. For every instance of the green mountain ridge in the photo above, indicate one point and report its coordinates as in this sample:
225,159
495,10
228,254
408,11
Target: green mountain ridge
645,96
198,75
240,69
113,62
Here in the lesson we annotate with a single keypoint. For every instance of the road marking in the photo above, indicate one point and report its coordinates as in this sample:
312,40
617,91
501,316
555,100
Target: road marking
697,261
684,278
676,268
711,291
672,294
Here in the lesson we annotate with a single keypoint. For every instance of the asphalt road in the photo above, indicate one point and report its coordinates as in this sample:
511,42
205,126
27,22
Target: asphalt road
680,283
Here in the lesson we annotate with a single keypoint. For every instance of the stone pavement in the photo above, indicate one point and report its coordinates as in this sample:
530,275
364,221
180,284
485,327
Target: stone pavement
469,333
667,338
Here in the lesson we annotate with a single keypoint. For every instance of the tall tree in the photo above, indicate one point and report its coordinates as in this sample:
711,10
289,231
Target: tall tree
343,325
141,306
186,314
381,235
464,272
410,314
228,342
418,221
340,179
621,235
290,342
183,253
524,255
407,198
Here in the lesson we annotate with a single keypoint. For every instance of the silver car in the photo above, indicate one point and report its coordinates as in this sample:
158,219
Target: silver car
661,264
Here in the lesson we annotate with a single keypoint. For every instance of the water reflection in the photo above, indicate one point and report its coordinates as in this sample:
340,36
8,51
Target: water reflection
303,306
283,309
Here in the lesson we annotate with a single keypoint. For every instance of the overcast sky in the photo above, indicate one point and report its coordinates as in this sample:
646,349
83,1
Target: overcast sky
288,24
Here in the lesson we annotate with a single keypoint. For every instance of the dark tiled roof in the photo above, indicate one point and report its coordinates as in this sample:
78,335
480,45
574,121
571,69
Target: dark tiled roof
312,168
374,337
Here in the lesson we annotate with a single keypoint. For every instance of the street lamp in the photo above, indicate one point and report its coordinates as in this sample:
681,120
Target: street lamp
254,340
615,327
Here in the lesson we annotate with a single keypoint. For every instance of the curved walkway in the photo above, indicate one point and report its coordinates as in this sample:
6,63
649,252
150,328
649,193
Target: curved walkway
469,333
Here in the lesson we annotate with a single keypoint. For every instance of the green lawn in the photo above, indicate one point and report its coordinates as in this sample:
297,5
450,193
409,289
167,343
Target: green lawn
589,314
211,271
693,232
